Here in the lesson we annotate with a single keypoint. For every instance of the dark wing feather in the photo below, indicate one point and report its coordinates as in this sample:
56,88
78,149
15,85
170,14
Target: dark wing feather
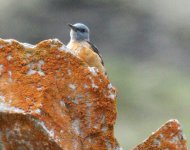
95,49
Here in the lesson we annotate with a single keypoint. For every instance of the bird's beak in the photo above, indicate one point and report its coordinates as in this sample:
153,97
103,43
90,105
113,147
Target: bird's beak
72,27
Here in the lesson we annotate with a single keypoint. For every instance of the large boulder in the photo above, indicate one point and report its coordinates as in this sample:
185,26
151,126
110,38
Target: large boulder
50,99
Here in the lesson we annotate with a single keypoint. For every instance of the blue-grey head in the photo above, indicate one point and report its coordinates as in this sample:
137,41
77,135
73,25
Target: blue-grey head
79,32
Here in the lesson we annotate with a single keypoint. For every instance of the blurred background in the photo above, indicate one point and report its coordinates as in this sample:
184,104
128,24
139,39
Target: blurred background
145,45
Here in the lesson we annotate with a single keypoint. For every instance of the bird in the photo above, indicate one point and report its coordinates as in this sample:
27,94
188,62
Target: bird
81,45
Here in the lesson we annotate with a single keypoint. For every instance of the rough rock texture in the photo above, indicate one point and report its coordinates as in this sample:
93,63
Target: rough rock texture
50,99
168,137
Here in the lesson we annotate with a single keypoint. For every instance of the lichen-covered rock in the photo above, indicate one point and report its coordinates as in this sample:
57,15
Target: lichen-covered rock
50,99
168,137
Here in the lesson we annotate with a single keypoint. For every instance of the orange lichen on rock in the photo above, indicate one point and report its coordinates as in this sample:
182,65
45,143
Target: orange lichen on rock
50,99
168,137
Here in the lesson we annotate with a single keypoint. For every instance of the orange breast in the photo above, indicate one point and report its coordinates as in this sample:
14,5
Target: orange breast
84,51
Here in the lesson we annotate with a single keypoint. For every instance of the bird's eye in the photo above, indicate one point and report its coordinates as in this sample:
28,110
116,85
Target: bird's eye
82,30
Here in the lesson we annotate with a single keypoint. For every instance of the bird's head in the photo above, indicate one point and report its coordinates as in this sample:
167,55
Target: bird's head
79,32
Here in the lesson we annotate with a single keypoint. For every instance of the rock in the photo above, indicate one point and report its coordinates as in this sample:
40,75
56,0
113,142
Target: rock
168,137
50,99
